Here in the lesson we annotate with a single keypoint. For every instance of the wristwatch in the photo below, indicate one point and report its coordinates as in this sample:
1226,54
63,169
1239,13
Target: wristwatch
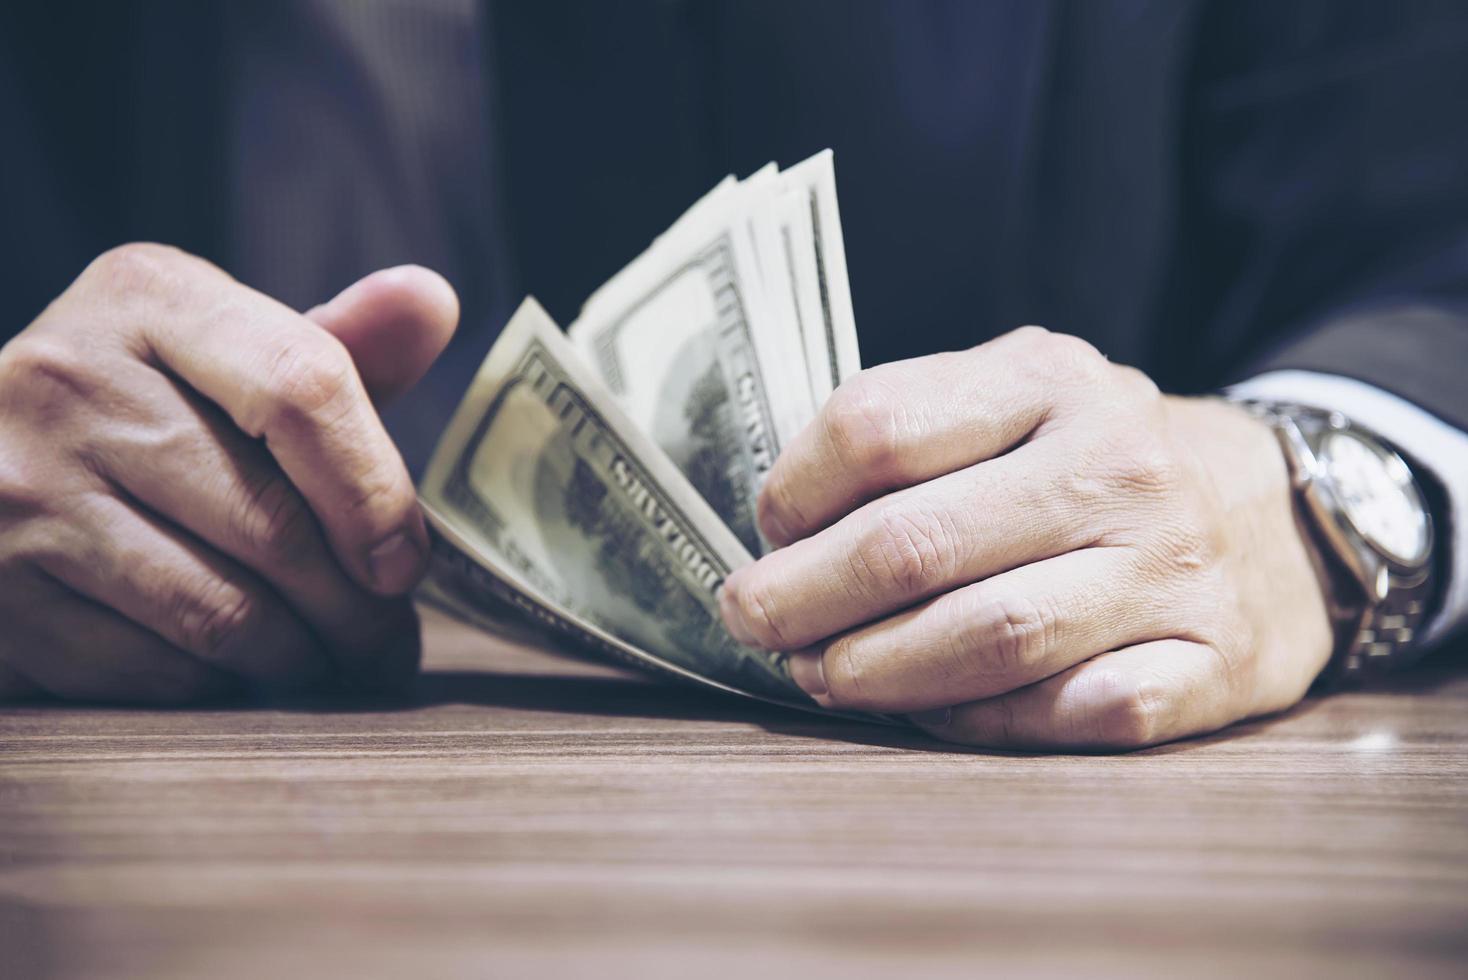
1369,527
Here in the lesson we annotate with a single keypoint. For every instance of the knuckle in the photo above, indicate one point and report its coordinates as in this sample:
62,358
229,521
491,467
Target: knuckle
1176,548
218,620
778,510
1138,464
1074,359
1137,383
381,498
275,524
1189,550
1003,722
862,424
135,267
1236,668
847,670
993,723
905,550
45,375
1129,710
22,492
757,604
1007,636
306,384
1029,335
43,534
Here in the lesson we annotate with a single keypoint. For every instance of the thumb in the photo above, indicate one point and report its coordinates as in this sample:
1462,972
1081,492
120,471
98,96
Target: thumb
395,322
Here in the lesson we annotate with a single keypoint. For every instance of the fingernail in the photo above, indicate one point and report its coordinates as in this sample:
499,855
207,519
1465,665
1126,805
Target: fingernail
395,563
733,618
808,669
775,530
936,718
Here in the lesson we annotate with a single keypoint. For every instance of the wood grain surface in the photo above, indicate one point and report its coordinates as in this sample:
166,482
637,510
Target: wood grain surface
527,815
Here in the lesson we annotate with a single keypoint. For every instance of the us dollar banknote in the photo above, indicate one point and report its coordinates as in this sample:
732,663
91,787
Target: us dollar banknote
547,501
705,358
818,249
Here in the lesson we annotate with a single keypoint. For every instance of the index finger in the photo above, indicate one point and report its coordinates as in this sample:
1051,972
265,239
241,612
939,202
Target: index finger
287,381
899,424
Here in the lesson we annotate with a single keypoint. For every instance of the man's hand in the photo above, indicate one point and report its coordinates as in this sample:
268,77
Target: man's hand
196,491
1026,545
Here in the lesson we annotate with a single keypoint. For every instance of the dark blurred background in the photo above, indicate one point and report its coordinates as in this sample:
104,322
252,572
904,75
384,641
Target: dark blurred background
1198,188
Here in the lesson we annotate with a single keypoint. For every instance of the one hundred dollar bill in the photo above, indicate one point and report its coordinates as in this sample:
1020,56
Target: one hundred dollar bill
546,497
704,356
829,330
603,487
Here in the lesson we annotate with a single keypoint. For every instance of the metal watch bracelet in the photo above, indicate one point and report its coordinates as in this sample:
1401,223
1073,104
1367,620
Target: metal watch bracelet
1376,604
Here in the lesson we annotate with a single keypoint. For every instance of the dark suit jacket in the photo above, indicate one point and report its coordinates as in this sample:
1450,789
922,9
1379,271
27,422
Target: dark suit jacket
1200,189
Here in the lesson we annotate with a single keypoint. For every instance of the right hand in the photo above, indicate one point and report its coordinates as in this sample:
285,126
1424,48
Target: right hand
196,492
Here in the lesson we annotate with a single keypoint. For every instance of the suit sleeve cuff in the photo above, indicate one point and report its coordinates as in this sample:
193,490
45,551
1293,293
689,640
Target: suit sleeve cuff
1416,352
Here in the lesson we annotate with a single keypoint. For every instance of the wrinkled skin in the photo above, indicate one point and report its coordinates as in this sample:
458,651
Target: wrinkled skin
196,492
1025,545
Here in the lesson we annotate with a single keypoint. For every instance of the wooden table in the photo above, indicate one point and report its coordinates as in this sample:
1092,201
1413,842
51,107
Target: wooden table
529,815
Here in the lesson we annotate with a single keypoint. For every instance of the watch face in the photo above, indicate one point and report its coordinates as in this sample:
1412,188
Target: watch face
1376,492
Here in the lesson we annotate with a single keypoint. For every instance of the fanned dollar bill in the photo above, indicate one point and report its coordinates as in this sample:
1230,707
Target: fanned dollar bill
726,335
550,484
695,350
832,354
602,487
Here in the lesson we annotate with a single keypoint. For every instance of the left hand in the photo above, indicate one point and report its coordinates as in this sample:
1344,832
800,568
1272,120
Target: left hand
1026,545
